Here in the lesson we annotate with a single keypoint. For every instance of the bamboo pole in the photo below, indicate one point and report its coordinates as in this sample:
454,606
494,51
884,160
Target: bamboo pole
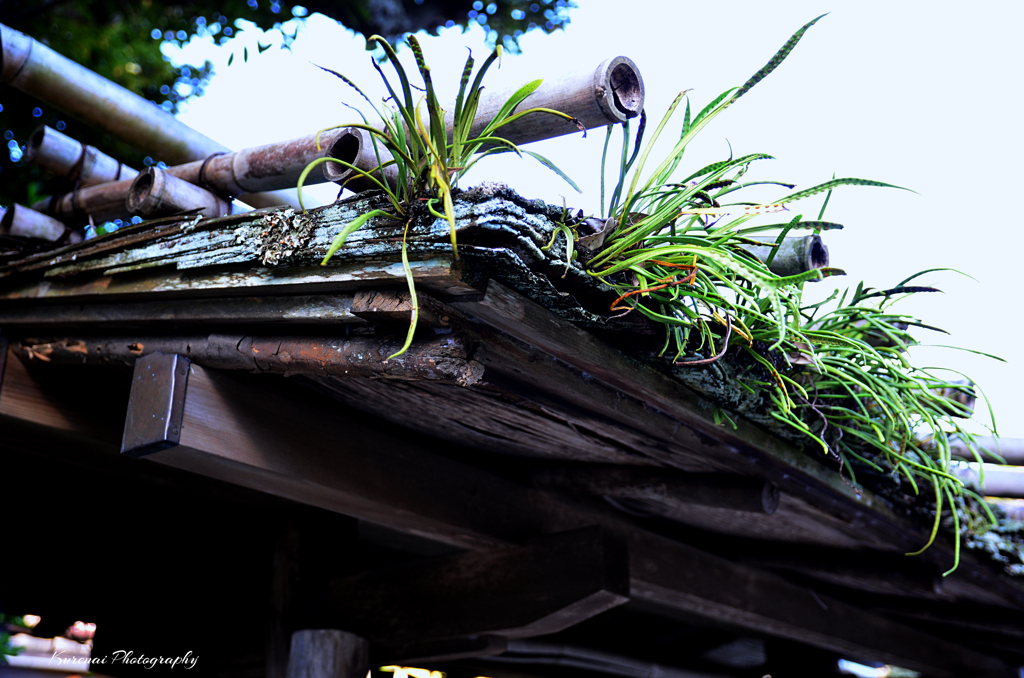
80,164
999,480
259,168
355,146
41,72
155,192
1010,449
609,94
26,223
105,202
794,256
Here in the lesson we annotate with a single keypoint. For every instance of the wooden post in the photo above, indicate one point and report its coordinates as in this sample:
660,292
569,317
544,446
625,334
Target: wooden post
326,653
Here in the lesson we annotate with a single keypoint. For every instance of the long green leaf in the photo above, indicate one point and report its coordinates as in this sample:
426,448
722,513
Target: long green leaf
776,60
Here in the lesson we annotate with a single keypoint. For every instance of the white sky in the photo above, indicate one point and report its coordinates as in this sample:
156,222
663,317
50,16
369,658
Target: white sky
922,95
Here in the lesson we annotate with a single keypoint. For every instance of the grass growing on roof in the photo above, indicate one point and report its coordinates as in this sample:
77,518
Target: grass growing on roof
835,372
429,162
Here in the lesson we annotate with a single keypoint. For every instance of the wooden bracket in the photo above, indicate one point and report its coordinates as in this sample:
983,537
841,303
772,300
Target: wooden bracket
156,405
552,583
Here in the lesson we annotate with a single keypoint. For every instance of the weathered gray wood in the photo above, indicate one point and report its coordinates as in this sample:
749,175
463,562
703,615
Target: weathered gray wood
392,306
259,439
490,420
774,458
327,653
544,587
321,309
446,358
432,275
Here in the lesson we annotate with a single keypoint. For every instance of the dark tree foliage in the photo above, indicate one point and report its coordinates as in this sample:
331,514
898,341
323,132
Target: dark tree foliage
121,39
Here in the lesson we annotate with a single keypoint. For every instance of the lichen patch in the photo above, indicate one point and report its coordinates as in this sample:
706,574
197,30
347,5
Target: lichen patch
277,236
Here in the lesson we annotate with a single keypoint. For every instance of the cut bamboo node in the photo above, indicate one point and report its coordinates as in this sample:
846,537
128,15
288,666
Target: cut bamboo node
356,147
154,192
620,78
794,255
609,94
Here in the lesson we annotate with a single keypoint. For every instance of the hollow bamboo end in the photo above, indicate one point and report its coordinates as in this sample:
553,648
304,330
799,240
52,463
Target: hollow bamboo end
620,89
35,143
54,151
355,146
146,192
794,256
155,192
346,148
816,253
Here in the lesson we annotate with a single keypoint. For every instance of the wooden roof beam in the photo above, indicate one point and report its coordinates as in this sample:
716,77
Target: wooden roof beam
263,441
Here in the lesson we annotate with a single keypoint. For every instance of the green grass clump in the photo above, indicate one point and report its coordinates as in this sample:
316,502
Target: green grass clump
428,160
836,372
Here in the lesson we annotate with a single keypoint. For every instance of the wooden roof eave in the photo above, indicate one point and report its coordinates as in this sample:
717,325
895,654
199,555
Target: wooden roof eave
574,376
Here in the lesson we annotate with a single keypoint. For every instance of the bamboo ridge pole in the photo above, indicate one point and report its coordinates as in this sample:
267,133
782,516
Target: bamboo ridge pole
612,93
26,223
38,70
259,168
41,72
609,94
73,160
155,192
268,167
